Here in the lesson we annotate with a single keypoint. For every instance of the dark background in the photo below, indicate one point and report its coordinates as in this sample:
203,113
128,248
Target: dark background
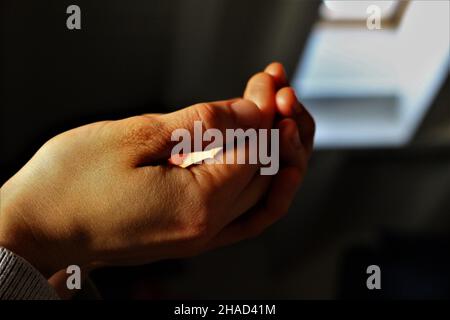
357,207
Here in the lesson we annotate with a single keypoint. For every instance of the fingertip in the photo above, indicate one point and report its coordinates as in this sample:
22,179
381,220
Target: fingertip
287,102
262,79
277,71
261,90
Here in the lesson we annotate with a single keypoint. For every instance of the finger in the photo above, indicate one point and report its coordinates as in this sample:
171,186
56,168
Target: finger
261,89
289,106
287,102
231,170
222,115
280,196
252,193
292,152
59,282
307,130
276,70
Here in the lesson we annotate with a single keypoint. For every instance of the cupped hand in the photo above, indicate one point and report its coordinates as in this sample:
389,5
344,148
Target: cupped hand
103,194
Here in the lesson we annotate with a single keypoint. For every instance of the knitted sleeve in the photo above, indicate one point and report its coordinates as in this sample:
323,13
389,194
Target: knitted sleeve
19,280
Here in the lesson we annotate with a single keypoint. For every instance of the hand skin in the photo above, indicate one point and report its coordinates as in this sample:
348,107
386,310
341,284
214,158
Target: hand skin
102,194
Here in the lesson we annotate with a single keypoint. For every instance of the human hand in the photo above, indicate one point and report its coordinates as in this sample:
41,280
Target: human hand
102,193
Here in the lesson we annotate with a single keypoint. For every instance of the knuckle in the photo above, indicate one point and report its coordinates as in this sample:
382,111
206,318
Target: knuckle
261,78
135,132
141,131
212,116
207,114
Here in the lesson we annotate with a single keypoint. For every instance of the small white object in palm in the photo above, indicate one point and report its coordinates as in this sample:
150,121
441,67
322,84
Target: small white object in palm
186,160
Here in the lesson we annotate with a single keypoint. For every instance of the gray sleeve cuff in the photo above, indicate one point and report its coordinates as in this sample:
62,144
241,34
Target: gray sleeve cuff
19,280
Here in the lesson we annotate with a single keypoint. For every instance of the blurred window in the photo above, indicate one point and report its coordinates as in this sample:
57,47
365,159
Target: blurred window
353,13
372,88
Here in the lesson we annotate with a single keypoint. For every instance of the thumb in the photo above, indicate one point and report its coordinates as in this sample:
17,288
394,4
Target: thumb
151,134
221,115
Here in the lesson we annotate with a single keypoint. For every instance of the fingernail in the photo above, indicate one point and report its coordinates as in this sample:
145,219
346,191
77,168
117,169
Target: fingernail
246,113
295,139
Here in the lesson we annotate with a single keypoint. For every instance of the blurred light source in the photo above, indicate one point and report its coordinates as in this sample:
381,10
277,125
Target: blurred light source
355,10
372,88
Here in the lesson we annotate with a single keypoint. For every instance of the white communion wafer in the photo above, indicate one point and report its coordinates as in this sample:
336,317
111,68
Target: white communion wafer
197,157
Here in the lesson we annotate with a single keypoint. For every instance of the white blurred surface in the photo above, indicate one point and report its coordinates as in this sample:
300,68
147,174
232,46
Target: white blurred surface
355,10
372,88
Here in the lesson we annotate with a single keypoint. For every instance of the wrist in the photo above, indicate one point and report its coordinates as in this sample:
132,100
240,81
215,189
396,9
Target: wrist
17,236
